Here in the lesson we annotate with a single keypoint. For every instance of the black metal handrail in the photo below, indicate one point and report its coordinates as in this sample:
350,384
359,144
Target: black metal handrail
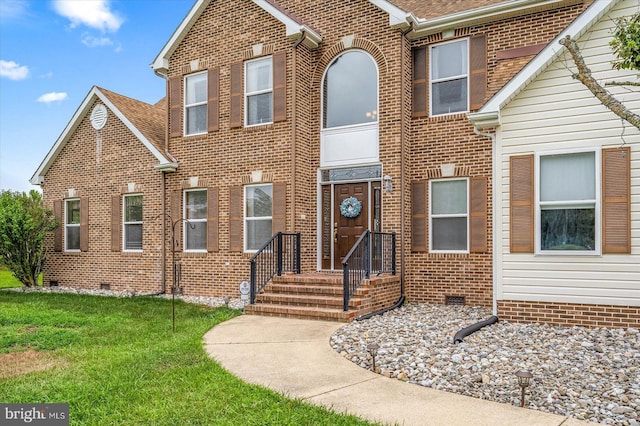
280,254
374,252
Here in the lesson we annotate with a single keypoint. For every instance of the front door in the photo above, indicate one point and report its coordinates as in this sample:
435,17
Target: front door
347,229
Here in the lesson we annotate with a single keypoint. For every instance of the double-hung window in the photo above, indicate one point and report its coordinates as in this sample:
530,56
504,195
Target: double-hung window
195,228
195,104
449,77
72,225
132,221
449,215
567,211
257,216
258,92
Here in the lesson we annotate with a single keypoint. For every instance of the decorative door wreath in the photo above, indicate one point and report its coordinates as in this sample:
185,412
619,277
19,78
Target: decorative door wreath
350,207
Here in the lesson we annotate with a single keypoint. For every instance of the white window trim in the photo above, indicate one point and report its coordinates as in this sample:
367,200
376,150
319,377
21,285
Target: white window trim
247,94
185,223
598,201
456,77
431,216
349,126
70,225
125,223
187,106
246,218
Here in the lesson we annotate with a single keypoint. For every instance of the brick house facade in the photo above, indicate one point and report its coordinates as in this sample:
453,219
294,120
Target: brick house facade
264,137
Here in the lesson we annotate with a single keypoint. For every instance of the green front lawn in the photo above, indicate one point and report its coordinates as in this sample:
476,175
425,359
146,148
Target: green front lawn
116,361
7,280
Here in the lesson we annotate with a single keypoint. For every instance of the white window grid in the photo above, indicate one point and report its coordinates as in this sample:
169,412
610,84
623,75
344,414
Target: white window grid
248,94
448,215
450,78
68,225
125,223
248,218
187,106
185,224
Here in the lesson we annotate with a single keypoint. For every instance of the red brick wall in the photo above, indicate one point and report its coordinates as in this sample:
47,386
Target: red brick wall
568,314
124,160
451,140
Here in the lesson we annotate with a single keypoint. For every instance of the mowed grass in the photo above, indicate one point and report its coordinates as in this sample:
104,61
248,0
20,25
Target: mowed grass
7,280
116,361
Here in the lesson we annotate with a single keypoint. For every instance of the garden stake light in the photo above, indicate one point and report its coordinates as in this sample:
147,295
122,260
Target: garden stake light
373,350
524,380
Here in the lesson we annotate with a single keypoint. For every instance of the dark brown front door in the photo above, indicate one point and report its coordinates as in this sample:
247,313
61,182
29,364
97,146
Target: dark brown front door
348,230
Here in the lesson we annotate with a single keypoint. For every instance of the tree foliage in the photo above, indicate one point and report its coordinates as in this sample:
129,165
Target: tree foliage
626,43
24,223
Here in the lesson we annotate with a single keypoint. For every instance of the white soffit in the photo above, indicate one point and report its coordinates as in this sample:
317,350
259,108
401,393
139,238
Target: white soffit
294,30
490,112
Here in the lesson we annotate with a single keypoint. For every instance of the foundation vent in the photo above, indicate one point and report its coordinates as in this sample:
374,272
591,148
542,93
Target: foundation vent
104,286
53,283
454,300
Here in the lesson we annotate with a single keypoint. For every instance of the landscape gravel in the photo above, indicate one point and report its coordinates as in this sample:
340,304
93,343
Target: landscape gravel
586,373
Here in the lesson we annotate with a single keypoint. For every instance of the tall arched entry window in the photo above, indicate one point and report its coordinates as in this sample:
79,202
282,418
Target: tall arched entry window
350,110
350,169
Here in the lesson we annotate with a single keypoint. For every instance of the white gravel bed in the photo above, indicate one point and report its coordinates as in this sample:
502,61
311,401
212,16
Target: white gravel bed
200,300
585,373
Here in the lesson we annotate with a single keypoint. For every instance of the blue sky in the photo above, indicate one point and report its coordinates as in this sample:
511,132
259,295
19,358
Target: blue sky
53,51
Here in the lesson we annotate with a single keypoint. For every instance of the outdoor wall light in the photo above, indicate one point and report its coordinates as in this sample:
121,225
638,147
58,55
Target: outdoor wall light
388,185
524,380
373,350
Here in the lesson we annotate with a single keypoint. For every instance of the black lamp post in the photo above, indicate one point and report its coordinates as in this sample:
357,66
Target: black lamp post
524,380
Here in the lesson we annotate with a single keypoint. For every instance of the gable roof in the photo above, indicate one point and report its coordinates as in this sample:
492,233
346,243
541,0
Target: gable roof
145,121
489,115
295,29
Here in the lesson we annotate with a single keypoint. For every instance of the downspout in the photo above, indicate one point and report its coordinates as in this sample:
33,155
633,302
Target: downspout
163,274
402,160
294,95
494,261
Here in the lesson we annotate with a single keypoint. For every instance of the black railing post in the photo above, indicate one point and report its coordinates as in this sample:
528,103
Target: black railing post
279,253
253,282
298,257
345,289
393,253
367,256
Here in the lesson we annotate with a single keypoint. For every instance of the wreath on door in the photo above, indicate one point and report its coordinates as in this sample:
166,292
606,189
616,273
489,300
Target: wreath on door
350,207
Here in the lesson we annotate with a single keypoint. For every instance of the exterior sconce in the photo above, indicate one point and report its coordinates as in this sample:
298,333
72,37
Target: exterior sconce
373,350
524,380
388,185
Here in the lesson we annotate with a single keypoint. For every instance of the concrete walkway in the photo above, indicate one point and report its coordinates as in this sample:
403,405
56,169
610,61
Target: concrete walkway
293,357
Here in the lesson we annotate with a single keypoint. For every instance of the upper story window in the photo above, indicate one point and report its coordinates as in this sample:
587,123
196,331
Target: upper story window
449,71
195,104
567,202
195,211
258,92
350,91
72,224
449,215
132,229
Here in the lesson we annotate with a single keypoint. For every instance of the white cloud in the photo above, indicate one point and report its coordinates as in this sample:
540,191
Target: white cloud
13,9
13,71
92,13
47,98
91,41
47,75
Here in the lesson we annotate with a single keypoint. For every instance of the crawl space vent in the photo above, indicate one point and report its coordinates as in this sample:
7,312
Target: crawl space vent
454,300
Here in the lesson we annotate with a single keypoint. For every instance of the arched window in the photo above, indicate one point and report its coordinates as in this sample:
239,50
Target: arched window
350,91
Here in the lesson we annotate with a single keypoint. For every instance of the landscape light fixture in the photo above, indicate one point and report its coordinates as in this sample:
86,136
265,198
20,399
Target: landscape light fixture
524,380
373,350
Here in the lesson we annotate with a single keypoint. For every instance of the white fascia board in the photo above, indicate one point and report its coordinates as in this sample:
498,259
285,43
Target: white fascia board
398,18
545,57
161,62
294,30
151,147
38,176
425,27
485,120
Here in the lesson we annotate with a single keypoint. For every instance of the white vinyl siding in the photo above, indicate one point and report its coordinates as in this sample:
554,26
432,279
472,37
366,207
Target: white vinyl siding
557,113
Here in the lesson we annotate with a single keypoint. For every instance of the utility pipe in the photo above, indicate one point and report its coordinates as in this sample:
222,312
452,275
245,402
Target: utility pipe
473,328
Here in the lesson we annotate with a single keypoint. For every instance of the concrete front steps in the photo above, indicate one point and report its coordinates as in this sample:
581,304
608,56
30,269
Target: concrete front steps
310,296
